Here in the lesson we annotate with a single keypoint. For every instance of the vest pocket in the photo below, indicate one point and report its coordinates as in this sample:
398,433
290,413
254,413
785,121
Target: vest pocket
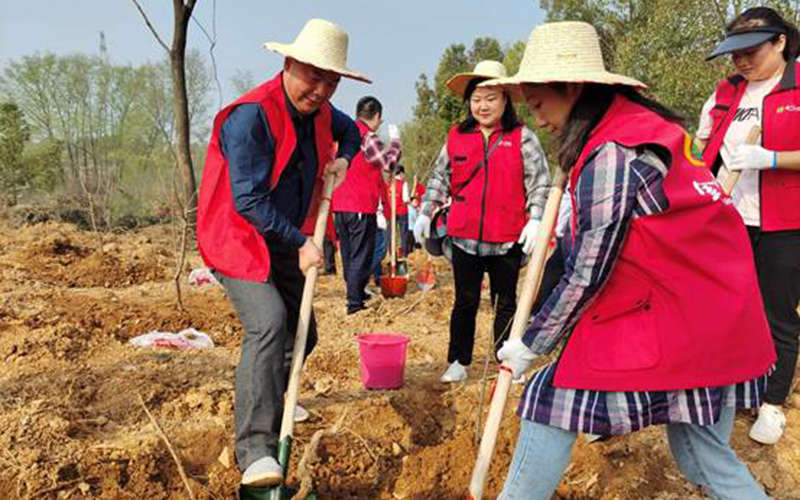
788,199
623,337
457,218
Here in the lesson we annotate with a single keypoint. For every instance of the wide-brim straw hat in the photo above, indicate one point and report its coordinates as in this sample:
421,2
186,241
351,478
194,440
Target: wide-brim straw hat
485,69
321,44
566,52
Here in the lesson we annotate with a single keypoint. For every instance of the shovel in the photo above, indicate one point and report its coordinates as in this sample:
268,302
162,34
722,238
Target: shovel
733,177
531,283
281,492
394,285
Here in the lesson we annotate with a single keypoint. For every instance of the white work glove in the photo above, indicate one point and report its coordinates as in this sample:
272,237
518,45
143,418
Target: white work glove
381,220
516,356
528,236
394,132
751,157
422,228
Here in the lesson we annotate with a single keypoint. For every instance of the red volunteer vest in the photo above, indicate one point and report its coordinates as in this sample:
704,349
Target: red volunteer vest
780,125
399,205
361,189
226,241
489,197
682,307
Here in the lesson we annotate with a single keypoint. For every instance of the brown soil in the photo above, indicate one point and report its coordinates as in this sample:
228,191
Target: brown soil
72,426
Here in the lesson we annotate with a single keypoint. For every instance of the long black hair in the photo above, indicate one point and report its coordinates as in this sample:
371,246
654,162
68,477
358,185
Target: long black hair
508,121
589,109
764,16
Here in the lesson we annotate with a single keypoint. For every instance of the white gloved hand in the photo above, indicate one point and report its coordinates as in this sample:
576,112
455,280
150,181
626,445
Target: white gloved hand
517,356
381,220
751,157
394,132
422,228
528,236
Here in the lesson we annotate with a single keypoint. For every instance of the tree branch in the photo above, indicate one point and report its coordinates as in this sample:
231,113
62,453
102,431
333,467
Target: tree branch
720,13
212,41
150,25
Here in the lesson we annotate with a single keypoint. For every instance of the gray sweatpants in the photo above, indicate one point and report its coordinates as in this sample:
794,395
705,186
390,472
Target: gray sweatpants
269,313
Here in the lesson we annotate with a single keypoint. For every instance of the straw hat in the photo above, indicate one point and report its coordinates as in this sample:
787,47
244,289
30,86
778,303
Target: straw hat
484,69
567,51
322,44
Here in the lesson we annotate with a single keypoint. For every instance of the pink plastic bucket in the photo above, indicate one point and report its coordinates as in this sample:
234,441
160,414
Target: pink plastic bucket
383,359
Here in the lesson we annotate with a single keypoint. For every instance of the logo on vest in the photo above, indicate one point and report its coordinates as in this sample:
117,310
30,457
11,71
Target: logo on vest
789,108
711,189
505,143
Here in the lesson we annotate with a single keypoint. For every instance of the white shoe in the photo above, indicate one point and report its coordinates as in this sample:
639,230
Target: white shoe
769,426
519,380
368,292
456,372
301,414
263,472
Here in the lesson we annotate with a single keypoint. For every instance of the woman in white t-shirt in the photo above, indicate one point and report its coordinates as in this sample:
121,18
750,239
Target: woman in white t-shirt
764,92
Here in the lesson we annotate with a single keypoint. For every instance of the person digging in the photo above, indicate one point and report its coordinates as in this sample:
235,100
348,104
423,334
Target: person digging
259,198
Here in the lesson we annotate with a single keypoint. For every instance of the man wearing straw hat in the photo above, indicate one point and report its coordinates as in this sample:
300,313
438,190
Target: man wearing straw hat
658,308
259,196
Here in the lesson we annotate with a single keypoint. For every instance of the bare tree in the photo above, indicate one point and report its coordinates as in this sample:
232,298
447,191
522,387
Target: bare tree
182,15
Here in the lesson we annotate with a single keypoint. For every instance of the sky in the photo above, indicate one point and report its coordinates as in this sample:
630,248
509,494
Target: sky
391,42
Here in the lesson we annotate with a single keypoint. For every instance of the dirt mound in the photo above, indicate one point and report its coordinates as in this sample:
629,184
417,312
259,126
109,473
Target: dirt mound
72,424
59,260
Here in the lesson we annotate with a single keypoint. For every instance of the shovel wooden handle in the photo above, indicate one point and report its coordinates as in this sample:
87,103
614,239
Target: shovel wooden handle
393,203
733,176
301,335
531,283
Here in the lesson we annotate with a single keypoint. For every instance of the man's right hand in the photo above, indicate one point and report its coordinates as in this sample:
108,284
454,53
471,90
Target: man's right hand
310,256
394,132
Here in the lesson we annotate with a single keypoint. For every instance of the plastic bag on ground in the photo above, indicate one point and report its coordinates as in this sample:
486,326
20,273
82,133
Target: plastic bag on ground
185,339
202,276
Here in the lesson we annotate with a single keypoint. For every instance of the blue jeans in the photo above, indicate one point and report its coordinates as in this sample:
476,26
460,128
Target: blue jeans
380,253
701,452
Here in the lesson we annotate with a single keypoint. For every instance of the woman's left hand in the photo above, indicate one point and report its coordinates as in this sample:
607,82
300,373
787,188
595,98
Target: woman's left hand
516,356
751,157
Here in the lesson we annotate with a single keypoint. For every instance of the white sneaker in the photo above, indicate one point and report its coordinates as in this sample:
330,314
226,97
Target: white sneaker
263,472
769,426
301,414
519,380
456,372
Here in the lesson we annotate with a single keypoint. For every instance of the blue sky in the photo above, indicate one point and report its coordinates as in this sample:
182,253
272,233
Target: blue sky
392,42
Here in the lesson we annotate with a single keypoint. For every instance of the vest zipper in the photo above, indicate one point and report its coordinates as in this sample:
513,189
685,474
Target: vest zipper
485,189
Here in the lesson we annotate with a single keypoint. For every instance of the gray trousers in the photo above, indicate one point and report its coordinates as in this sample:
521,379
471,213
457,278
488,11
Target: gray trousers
269,313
